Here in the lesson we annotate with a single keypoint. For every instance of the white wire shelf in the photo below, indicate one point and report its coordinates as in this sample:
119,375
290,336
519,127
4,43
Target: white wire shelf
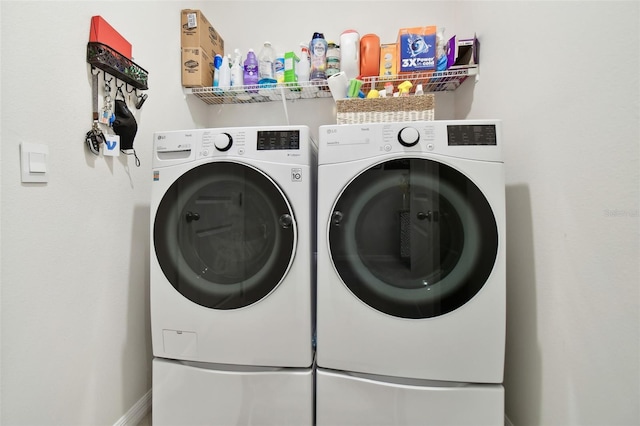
441,81
264,93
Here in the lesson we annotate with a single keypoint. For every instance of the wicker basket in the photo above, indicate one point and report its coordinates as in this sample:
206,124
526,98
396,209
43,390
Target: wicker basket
383,110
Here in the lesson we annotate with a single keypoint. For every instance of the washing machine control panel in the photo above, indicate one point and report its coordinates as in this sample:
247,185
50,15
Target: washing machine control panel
222,141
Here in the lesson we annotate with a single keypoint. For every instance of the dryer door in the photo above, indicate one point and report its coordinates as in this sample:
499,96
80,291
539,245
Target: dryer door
413,238
224,235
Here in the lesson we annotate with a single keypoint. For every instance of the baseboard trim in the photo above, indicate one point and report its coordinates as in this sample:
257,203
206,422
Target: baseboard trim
507,422
136,413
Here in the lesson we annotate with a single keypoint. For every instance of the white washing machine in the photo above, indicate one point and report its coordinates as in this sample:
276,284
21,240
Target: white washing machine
232,244
411,261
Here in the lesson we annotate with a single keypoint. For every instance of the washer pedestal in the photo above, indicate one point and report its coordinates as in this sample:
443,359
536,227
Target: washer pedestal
353,399
203,394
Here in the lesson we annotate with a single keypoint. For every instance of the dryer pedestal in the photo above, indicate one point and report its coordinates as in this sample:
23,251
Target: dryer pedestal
186,393
357,400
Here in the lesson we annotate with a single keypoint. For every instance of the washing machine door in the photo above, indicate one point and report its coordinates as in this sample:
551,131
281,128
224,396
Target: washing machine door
224,235
413,238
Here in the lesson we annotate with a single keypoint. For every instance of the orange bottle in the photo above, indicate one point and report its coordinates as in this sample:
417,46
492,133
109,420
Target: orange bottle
369,55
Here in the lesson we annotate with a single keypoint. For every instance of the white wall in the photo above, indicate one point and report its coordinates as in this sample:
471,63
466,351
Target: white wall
565,82
562,75
75,317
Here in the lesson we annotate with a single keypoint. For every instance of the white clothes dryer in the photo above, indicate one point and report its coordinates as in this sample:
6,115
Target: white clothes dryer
411,250
232,234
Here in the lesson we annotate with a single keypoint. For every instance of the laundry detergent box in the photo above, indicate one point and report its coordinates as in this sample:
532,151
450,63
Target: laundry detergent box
417,49
388,60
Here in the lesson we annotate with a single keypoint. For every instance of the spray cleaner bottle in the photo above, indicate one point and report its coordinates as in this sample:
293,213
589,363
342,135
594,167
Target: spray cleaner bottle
303,66
237,74
224,80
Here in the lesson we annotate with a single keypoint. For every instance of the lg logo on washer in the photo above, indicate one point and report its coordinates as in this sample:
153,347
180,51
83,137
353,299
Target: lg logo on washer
296,175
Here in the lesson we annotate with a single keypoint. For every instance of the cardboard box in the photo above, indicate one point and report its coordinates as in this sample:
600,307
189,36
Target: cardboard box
102,32
197,31
197,67
417,49
388,60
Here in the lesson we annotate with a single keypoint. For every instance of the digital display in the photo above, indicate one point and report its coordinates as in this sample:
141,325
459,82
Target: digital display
278,139
472,134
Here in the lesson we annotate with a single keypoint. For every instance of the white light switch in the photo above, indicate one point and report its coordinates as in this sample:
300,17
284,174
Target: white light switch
33,162
37,162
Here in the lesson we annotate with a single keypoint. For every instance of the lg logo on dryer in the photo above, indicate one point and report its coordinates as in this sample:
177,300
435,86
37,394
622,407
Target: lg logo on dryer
296,175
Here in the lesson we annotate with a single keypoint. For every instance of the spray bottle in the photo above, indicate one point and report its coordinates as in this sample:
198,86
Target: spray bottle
303,66
237,74
225,73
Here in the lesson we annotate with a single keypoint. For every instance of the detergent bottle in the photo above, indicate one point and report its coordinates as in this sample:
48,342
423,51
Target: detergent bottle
318,51
251,70
350,53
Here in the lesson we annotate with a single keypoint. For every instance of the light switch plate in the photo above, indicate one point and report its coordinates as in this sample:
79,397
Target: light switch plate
34,162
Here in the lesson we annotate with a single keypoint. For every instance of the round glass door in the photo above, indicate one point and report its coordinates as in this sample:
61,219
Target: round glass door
413,238
224,235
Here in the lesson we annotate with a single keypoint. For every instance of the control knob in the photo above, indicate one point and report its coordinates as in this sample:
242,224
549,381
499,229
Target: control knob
222,141
408,136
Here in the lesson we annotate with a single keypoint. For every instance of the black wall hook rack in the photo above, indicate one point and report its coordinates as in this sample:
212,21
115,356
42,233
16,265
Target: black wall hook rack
110,61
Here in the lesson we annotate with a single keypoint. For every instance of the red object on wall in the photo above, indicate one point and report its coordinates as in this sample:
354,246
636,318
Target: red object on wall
104,33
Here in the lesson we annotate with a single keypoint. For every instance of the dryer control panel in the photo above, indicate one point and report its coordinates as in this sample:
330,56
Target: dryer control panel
473,139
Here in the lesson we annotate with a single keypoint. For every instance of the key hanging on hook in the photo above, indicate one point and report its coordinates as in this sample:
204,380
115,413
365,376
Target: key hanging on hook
107,116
